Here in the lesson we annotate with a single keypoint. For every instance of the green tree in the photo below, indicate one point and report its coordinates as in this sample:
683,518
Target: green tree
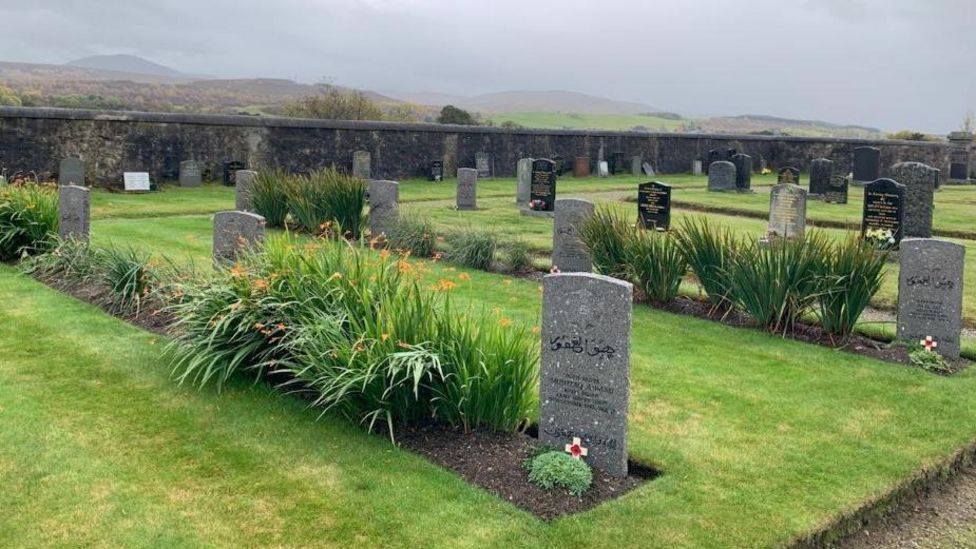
453,115
335,104
8,97
909,135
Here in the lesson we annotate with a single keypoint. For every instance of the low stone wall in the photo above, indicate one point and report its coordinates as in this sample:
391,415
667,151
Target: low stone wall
113,142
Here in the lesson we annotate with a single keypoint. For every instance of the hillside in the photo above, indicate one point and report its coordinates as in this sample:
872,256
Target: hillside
124,63
527,101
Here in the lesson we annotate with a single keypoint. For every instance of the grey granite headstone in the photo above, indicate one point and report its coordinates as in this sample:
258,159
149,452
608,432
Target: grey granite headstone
569,254
604,169
190,174
787,210
361,167
837,190
235,232
721,176
584,381
919,182
821,170
482,163
384,206
524,173
74,212
696,167
71,171
649,169
467,189
243,181
930,293
635,165
743,171
867,165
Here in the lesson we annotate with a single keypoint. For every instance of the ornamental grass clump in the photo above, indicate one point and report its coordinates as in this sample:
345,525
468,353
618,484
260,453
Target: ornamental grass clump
851,272
326,199
710,253
269,196
606,234
412,233
28,220
655,265
360,335
517,255
776,283
473,248
128,276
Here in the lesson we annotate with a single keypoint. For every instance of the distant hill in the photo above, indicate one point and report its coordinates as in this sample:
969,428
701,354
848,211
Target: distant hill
527,101
124,63
26,73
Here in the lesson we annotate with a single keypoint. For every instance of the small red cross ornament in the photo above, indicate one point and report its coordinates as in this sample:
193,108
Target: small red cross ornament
576,449
929,343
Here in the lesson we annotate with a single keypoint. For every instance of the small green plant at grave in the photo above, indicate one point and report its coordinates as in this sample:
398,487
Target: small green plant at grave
924,357
655,265
606,234
880,239
558,469
412,233
518,256
473,248
710,252
269,195
28,220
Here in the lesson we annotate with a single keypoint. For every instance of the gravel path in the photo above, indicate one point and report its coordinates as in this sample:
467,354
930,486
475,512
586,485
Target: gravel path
944,519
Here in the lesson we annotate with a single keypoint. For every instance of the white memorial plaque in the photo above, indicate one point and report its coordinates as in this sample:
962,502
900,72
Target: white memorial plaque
136,181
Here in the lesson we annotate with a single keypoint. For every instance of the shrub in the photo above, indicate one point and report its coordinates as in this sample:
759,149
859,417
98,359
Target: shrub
605,234
474,248
851,272
554,468
655,265
518,256
710,253
269,196
412,233
28,220
360,335
327,199
775,283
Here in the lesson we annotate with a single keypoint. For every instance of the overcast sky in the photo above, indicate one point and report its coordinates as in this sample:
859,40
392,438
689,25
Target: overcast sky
894,64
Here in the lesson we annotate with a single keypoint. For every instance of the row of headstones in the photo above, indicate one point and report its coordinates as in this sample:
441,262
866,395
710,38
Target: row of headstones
71,171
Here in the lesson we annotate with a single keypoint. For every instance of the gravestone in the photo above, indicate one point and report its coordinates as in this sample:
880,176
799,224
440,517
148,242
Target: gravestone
743,172
74,212
648,169
713,156
930,293
584,378
71,171
482,163
884,208
235,232
569,254
524,174
958,170
867,165
937,175
362,165
604,169
616,163
696,167
230,171
721,176
654,205
821,170
919,182
467,189
137,182
788,175
244,180
836,190
190,174
787,210
384,206
542,193
635,165
436,172
581,166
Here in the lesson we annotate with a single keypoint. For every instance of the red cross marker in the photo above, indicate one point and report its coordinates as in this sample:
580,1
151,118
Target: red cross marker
929,343
576,449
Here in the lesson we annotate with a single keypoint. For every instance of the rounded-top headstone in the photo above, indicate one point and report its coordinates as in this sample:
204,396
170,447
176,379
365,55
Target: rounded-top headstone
919,182
721,176
234,233
569,254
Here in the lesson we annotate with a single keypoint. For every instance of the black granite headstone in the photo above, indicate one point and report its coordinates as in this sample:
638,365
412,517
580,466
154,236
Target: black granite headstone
230,169
436,172
836,192
542,196
867,164
743,171
884,208
654,205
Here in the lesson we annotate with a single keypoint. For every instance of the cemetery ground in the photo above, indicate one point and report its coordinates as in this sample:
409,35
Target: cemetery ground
762,441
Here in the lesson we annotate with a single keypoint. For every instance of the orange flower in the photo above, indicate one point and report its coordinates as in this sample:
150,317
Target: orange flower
444,285
504,322
536,330
384,337
237,271
464,276
384,254
260,284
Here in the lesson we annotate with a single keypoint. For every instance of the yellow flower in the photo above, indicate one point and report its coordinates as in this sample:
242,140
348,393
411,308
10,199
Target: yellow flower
536,330
464,276
444,285
384,337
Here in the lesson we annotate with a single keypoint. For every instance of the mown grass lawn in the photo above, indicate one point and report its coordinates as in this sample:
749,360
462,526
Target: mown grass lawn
761,440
